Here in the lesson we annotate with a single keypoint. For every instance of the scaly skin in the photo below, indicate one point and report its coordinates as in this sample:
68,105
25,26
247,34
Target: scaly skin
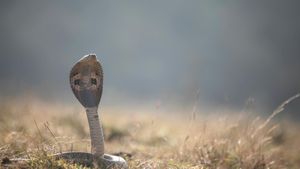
97,139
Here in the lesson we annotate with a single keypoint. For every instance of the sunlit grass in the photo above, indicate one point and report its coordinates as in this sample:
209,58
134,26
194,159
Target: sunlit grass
34,130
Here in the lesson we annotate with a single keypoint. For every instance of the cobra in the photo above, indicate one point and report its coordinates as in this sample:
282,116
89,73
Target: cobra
86,80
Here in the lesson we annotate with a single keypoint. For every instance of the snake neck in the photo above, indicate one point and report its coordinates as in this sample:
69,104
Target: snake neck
96,133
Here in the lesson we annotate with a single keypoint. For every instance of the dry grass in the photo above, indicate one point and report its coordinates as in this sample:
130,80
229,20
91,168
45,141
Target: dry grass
35,130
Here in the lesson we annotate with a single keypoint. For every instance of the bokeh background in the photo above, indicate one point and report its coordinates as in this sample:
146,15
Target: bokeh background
167,54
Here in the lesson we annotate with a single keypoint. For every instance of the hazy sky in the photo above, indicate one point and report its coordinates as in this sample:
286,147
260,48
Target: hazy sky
155,51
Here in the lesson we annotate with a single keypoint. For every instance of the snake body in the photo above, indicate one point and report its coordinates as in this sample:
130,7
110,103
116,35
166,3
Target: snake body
96,132
86,79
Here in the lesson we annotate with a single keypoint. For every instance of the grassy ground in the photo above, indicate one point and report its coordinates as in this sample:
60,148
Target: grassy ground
35,130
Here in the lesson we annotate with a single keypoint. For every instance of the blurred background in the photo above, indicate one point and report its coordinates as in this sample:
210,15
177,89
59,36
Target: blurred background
170,55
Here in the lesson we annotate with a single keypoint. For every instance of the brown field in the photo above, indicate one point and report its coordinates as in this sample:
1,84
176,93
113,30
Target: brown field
35,130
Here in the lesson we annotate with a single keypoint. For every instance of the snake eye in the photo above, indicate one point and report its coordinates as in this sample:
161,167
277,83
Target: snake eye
93,81
76,82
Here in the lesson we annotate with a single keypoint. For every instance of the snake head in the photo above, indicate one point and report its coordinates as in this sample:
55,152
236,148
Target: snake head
86,80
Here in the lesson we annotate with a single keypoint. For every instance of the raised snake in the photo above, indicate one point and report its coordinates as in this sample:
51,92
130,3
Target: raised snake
86,80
